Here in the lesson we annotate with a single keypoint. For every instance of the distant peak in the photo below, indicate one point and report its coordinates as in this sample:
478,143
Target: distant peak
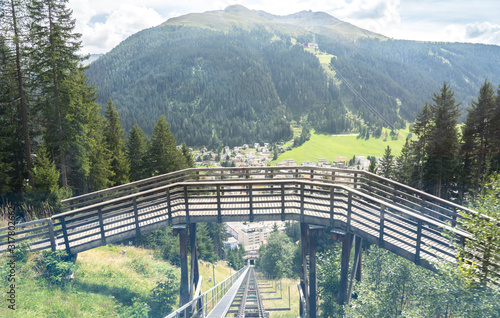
236,8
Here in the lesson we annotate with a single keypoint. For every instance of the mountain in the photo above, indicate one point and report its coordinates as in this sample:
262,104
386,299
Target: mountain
238,76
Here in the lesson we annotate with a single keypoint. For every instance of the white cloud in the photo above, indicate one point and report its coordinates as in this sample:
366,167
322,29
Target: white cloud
484,32
123,21
429,20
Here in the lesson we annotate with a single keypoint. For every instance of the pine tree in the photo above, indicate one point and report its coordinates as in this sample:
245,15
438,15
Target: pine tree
404,164
440,170
137,150
115,140
46,182
495,124
55,55
163,152
477,136
188,157
386,166
15,32
100,173
421,128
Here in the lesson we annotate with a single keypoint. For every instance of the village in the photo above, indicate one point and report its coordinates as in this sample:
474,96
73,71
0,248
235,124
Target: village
258,155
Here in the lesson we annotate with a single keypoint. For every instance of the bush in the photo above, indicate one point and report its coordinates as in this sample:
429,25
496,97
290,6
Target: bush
164,296
54,266
138,310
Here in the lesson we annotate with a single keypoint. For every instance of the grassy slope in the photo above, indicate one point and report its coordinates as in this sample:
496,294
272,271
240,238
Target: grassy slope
105,284
331,146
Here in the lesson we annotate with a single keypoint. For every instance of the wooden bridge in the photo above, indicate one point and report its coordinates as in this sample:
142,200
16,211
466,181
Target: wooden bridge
349,205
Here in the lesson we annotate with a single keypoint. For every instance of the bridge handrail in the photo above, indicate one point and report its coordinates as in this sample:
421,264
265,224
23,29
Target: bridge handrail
264,182
182,175
203,297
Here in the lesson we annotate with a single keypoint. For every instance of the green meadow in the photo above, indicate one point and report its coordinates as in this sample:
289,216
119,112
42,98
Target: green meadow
331,146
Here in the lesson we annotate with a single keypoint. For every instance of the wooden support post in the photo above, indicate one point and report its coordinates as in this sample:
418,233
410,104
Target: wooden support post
360,259
219,211
186,204
51,235
355,181
419,241
303,266
381,232
101,226
312,275
136,216
195,274
355,267
184,288
250,196
344,268
282,202
65,234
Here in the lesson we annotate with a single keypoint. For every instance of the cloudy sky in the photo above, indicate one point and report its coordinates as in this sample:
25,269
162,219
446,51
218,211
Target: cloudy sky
105,23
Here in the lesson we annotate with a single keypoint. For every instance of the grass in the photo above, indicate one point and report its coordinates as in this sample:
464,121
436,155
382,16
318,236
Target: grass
282,303
331,146
105,284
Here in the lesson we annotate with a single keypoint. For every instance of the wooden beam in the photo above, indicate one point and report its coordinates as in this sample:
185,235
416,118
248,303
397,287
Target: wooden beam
355,267
344,268
195,275
184,288
303,267
312,275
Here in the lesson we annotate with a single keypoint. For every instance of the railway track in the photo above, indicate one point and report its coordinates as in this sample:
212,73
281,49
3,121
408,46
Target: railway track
248,301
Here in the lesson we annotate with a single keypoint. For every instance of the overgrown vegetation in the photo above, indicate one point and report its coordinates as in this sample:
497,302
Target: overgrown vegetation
107,282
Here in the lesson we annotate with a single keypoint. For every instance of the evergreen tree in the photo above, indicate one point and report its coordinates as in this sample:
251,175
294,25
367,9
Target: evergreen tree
421,128
373,165
404,164
55,55
188,157
115,140
137,150
100,159
14,58
46,182
386,166
495,124
477,136
163,152
440,170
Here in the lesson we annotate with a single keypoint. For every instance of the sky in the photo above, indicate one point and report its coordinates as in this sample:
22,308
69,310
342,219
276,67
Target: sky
105,23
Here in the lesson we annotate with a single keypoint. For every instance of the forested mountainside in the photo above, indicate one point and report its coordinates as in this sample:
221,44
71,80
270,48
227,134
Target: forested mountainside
238,76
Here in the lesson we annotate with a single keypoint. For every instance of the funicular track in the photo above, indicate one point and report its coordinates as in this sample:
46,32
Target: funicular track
248,301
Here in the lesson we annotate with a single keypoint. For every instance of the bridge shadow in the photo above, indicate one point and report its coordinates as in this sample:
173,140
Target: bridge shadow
122,295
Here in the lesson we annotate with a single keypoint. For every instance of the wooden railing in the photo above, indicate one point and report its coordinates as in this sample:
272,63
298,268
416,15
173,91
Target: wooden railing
411,223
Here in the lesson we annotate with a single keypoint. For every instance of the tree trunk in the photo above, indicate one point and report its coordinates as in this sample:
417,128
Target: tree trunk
22,97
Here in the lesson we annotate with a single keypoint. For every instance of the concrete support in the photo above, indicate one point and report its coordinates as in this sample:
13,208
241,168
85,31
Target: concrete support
312,274
344,268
